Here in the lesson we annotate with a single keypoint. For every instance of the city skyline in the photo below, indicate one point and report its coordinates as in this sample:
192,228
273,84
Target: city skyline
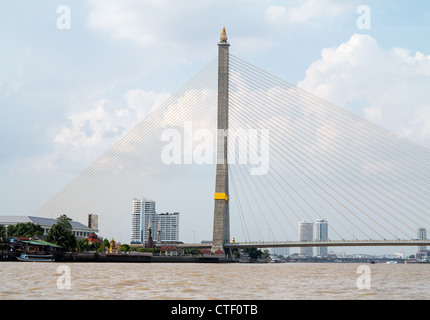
80,121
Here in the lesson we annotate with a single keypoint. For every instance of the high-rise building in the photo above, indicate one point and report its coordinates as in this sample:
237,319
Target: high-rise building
422,235
93,221
136,221
140,208
164,226
321,234
306,234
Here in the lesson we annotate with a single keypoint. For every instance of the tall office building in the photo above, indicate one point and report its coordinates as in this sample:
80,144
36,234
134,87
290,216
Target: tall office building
306,234
422,235
321,234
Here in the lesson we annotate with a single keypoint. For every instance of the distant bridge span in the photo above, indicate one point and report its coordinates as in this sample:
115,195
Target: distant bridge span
290,244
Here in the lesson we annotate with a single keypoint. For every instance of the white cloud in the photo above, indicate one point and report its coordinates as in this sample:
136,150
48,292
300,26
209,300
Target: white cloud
144,102
169,28
388,87
89,133
123,22
306,12
276,13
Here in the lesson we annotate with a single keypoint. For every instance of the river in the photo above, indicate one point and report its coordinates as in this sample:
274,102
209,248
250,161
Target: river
162,281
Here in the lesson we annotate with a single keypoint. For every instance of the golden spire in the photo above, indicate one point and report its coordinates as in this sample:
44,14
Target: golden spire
223,36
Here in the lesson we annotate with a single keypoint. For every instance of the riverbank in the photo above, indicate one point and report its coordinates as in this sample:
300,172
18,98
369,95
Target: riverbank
135,258
148,258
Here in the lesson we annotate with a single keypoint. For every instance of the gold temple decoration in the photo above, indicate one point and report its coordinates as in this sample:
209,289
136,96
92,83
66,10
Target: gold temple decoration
223,36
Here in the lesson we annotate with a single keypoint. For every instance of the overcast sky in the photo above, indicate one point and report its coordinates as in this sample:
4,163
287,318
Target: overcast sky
77,75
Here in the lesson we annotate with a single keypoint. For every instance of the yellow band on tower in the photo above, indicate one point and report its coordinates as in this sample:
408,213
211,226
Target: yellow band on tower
221,196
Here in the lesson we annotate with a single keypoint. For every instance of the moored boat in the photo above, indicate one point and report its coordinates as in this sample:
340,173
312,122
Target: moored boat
35,258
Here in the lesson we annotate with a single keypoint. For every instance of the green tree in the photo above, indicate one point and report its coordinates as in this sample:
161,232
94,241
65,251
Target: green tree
125,248
97,246
235,253
61,233
3,230
83,244
106,244
27,229
253,253
65,222
266,254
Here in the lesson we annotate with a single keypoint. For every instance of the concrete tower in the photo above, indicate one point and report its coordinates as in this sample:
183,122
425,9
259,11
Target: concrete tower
221,227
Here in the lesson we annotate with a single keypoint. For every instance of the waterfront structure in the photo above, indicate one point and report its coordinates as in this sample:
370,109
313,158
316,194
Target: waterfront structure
422,235
321,234
306,234
164,226
79,230
221,226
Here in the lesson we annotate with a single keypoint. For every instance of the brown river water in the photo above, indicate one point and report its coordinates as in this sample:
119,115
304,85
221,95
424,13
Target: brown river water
198,281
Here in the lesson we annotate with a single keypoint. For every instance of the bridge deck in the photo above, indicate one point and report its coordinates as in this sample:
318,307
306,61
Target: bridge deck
333,243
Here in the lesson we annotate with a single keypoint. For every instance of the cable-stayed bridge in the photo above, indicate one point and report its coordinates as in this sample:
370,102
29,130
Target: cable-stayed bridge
282,155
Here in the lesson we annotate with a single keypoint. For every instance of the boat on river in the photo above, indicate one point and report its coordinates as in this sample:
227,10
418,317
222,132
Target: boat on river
35,258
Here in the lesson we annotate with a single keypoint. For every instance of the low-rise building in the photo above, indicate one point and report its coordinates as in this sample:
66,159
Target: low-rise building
78,229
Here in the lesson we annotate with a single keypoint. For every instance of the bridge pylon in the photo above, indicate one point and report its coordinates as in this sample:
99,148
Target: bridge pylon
221,227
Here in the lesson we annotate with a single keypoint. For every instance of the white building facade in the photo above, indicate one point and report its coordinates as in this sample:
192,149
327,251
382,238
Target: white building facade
422,235
321,234
79,230
306,234
140,208
164,226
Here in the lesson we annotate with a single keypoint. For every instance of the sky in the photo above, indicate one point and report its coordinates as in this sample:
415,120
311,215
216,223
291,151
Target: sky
75,76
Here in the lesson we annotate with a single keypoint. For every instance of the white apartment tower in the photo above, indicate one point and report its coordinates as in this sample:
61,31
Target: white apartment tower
321,234
136,219
306,234
140,208
164,226
422,235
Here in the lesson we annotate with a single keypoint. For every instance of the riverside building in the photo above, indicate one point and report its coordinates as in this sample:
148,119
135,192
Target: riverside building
164,226
79,230
422,235
140,208
306,234
321,234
